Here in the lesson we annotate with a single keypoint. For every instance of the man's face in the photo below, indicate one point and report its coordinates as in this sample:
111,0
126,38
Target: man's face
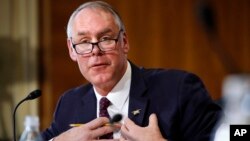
102,69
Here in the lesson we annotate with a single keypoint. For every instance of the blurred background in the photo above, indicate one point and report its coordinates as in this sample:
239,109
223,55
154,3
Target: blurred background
210,38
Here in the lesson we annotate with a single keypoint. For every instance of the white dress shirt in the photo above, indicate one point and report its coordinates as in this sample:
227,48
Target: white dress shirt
119,97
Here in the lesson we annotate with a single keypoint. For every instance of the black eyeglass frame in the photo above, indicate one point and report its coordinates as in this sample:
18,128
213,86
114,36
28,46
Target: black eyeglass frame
97,44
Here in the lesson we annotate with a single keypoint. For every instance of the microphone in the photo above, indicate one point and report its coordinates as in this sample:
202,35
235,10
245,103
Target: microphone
116,118
33,95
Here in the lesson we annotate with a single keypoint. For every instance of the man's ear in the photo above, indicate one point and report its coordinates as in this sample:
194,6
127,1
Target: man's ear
72,53
125,42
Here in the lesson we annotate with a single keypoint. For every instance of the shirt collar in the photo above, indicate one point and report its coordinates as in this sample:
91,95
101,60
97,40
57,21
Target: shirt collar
119,94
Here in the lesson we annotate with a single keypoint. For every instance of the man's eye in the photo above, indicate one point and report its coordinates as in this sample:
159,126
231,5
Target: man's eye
105,38
85,41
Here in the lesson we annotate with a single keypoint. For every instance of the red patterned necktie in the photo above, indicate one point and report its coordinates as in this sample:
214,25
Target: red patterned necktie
104,103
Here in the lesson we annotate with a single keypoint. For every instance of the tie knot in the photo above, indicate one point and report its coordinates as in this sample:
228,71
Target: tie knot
104,103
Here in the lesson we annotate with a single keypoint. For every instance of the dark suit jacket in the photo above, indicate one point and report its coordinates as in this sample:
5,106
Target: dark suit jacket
184,109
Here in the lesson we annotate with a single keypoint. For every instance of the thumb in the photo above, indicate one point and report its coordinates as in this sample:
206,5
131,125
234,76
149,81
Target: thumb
153,121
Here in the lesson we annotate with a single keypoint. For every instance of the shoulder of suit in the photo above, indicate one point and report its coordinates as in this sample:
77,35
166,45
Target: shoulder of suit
172,75
162,72
78,91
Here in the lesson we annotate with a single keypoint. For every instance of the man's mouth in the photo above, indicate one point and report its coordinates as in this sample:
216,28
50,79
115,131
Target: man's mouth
98,65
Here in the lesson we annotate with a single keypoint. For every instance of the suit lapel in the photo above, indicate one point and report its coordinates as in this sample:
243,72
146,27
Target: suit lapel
138,101
88,106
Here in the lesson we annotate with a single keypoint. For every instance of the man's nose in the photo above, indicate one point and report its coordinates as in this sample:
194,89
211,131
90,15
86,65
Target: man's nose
96,50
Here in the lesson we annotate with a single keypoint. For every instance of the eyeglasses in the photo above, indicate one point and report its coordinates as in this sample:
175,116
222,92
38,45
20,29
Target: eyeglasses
104,45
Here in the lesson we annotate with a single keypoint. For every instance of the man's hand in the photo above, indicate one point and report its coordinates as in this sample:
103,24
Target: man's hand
88,132
132,132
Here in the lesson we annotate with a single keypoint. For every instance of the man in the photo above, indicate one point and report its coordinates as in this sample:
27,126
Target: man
156,104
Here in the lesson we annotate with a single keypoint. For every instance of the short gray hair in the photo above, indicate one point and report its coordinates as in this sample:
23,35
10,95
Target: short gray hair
95,4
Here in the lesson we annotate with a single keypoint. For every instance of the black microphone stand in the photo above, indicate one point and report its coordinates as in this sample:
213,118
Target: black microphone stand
32,95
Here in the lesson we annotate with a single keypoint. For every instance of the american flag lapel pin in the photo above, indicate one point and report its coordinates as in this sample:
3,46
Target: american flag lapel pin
136,112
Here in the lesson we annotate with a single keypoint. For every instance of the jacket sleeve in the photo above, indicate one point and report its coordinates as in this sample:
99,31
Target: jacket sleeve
198,112
52,131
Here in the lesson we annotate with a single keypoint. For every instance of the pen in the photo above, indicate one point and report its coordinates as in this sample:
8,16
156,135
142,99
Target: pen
79,124
116,118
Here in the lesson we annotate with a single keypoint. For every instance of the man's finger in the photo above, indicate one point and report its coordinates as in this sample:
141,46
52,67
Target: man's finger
124,131
102,131
153,121
122,139
128,123
96,123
